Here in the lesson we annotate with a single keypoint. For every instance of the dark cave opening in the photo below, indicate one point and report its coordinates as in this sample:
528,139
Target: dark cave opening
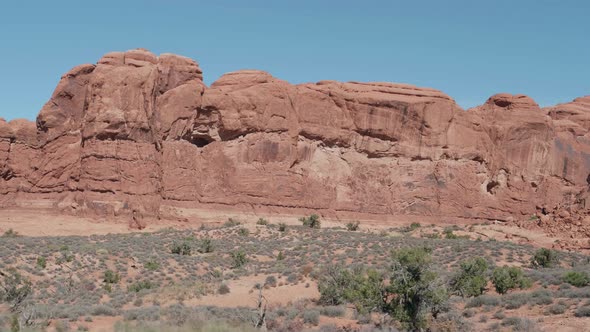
200,141
502,103
490,187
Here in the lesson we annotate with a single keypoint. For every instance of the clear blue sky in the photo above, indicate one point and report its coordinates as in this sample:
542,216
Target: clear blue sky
468,49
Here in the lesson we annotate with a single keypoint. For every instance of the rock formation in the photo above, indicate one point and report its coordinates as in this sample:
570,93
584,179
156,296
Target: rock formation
141,136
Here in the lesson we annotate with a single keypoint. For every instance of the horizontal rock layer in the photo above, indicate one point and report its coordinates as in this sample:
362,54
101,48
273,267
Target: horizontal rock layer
137,134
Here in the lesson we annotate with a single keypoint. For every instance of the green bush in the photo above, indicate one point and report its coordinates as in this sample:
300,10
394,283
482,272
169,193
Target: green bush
262,221
578,279
449,234
239,259
353,226
111,277
418,290
11,233
506,278
243,232
544,258
282,227
410,228
206,246
140,285
184,248
471,279
152,265
362,288
313,221
41,262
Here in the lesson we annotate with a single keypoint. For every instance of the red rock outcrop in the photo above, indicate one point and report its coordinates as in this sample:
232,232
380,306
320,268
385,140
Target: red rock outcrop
142,136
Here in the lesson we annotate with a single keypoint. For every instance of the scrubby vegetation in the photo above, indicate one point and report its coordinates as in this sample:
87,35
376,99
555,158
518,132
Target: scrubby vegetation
368,279
506,278
544,258
353,226
313,221
472,277
575,278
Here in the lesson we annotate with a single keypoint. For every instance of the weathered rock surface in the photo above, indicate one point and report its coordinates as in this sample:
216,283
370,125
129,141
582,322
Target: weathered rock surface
142,136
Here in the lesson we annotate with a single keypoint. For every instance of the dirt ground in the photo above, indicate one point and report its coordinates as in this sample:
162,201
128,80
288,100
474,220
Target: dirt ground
41,223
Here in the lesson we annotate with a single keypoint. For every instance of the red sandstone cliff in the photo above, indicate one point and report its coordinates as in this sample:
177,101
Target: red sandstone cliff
141,135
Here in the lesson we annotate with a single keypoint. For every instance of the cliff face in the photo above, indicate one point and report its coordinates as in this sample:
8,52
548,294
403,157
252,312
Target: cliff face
142,136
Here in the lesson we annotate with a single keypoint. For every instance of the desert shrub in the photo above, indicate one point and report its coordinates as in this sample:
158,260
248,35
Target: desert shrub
418,289
243,232
366,292
482,300
506,278
11,233
111,277
181,248
282,227
333,311
544,258
206,246
541,297
583,311
449,234
14,288
515,301
262,221
152,264
412,227
311,316
520,324
142,314
137,286
499,314
575,278
238,258
280,256
353,226
223,289
103,310
292,277
556,309
450,321
362,288
231,222
216,274
468,313
434,235
313,221
66,256
471,279
271,281
574,293
41,262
